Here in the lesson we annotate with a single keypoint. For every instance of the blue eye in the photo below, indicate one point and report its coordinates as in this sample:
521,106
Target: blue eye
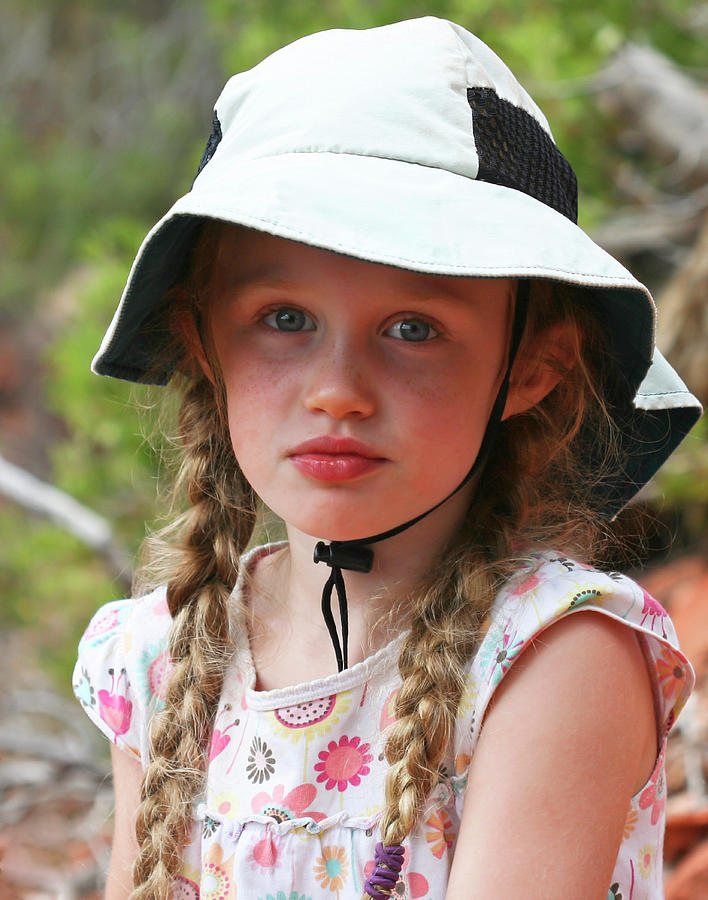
289,319
413,330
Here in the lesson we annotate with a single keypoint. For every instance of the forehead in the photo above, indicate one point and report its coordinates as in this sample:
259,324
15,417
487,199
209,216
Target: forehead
243,257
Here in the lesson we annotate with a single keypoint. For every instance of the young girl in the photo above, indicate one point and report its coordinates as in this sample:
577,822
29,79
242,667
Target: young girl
387,328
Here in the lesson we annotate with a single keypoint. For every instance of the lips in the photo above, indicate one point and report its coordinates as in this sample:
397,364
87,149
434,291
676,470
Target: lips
335,458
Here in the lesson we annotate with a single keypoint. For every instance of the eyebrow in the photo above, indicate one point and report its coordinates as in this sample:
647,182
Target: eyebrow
428,287
423,286
431,288
430,291
256,279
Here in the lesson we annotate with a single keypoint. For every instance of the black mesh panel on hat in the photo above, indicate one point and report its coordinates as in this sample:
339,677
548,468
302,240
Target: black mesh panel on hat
515,151
211,144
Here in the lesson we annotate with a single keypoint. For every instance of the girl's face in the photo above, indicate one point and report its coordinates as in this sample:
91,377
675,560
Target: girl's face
357,393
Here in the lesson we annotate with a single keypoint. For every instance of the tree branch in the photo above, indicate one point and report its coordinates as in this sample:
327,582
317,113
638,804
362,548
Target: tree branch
51,503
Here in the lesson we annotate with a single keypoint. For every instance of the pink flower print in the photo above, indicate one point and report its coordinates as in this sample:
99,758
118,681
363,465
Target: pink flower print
343,763
264,854
152,675
158,674
103,623
282,807
184,889
220,739
441,834
114,708
410,886
654,794
528,584
653,610
225,803
217,875
219,742
671,674
647,855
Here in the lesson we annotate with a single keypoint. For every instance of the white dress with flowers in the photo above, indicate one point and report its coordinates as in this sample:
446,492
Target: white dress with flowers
296,775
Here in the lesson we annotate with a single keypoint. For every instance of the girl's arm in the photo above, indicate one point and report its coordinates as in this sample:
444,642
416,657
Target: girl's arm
127,778
569,738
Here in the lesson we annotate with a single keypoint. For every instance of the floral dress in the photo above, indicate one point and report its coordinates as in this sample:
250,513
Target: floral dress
296,775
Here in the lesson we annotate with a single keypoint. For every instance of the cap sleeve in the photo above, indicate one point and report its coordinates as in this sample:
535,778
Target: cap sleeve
550,588
122,669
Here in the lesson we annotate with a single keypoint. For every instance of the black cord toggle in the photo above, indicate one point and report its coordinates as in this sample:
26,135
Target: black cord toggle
356,559
338,557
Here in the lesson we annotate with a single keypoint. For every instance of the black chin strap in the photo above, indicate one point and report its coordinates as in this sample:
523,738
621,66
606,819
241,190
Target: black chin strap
356,555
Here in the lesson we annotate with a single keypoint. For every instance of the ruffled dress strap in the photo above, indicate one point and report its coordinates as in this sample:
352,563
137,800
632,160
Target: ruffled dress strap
551,587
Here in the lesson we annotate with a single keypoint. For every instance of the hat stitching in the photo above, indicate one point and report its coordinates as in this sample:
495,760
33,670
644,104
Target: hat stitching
351,250
660,393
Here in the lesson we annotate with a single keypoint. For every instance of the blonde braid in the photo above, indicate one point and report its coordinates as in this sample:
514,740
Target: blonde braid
529,495
216,530
443,636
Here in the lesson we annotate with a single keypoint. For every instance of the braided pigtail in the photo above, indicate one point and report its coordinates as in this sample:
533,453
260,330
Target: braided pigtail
215,531
444,632
527,497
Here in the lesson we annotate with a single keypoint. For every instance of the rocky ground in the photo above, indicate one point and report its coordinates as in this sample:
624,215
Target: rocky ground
55,791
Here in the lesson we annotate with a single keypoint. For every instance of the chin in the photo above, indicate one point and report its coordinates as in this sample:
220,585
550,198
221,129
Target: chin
326,528
343,533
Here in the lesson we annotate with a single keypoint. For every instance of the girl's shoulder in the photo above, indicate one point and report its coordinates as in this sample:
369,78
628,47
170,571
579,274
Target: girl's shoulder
549,587
122,667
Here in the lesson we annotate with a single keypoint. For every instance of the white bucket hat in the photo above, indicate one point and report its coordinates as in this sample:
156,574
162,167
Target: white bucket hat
411,145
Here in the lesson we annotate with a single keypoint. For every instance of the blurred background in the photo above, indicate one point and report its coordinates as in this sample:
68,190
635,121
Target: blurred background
104,111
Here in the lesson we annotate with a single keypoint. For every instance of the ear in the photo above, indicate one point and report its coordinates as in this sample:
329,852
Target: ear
186,327
540,365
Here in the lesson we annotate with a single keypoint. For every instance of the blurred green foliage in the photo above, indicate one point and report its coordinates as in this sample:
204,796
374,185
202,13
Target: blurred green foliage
683,482
105,111
51,583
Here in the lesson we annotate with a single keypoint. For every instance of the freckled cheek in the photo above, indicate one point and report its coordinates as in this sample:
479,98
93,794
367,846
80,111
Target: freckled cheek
447,421
436,397
257,403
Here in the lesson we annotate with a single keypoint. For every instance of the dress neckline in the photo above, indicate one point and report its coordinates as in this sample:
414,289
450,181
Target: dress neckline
244,670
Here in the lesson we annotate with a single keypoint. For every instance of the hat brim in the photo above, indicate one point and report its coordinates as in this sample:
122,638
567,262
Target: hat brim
380,210
662,414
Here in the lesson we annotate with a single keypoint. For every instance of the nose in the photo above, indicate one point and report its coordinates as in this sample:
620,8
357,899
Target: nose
340,385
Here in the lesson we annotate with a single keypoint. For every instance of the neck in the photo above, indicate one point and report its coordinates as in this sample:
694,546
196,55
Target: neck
289,589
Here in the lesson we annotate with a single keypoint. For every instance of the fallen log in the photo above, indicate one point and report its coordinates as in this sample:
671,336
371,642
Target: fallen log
651,95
